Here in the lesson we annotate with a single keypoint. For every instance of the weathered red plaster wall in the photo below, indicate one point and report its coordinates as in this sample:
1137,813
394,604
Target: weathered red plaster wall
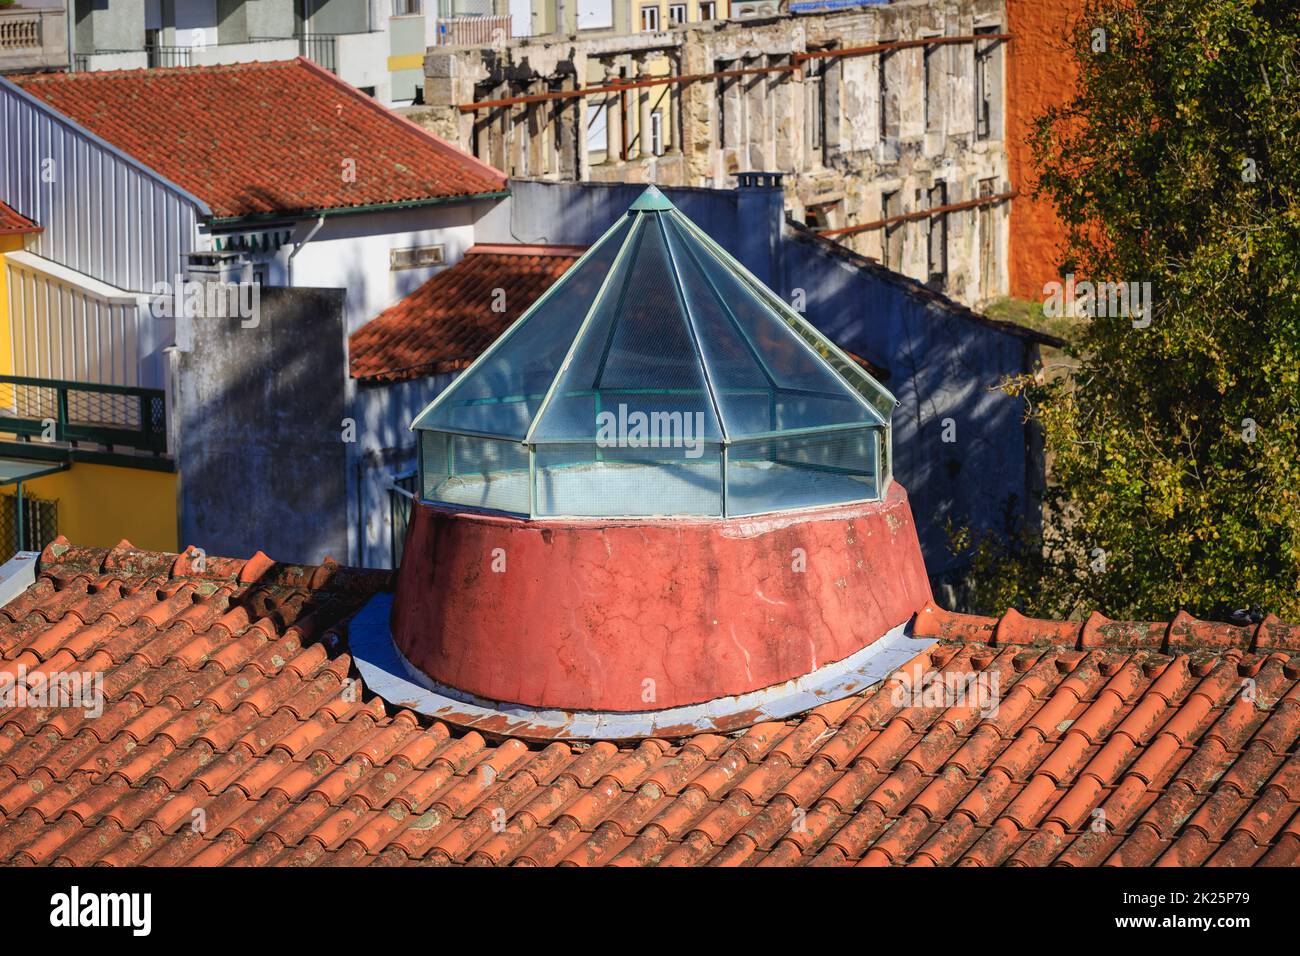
1040,73
586,610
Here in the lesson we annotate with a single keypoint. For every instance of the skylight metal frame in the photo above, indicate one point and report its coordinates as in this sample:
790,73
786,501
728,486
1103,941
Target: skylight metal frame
638,226
505,336
808,332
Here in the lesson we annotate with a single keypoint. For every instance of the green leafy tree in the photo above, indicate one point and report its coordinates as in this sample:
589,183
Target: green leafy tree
1174,448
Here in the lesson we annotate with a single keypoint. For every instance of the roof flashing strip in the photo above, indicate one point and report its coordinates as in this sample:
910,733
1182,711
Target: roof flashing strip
388,673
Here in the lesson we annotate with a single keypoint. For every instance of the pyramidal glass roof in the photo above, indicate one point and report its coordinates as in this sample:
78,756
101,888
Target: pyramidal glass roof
656,317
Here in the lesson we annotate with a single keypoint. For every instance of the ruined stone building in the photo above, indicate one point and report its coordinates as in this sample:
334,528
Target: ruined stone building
887,119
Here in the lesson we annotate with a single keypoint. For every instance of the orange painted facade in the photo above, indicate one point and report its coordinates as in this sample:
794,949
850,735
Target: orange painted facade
1040,73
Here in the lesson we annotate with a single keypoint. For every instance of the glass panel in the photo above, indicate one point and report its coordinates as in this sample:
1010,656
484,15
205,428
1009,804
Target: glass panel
501,394
637,357
767,377
802,471
591,481
756,308
478,472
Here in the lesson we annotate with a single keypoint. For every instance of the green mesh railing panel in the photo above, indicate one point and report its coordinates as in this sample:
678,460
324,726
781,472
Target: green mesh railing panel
39,524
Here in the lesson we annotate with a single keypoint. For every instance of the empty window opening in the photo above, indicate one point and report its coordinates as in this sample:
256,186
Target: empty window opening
882,108
416,257
597,128
988,85
934,82
891,240
938,237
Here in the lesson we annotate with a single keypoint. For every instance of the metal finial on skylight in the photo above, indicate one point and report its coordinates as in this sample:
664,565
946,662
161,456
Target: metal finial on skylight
652,200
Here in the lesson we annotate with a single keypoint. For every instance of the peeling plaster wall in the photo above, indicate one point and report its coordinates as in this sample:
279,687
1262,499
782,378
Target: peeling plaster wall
822,127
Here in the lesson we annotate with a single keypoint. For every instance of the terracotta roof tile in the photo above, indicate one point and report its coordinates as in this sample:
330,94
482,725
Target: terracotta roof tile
231,736
265,138
12,222
448,321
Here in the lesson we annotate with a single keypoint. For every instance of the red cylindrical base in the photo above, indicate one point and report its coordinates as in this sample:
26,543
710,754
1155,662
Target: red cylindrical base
634,615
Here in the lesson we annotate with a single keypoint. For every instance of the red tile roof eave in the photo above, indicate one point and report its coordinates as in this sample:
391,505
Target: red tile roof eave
525,249
433,139
424,334
224,208
14,223
1182,634
425,370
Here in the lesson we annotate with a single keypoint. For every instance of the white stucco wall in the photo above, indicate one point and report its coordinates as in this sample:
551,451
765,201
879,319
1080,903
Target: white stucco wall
352,251
363,62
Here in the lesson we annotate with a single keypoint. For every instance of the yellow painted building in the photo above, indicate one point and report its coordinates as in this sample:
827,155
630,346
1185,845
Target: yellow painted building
662,14
99,505
96,503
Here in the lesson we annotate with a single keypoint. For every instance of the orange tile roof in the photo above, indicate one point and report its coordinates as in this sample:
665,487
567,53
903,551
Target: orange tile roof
12,222
446,323
262,138
226,706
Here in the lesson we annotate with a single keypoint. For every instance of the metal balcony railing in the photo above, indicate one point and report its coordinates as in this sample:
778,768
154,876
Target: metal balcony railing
160,55
114,416
321,48
473,30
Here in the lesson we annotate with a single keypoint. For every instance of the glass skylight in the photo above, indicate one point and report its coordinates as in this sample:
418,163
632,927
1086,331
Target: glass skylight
657,377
